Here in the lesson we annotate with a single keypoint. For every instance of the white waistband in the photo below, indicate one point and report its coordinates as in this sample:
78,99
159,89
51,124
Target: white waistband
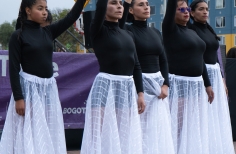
213,65
197,78
37,79
114,77
153,75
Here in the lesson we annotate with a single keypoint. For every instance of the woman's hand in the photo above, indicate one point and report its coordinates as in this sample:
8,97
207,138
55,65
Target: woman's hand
141,103
210,94
164,92
20,107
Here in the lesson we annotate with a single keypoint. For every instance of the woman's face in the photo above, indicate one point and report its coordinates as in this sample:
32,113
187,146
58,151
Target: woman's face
200,14
114,10
140,10
38,12
182,13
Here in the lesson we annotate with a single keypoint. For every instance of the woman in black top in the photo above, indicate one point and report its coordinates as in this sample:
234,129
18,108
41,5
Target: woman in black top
34,122
155,121
112,123
188,100
219,125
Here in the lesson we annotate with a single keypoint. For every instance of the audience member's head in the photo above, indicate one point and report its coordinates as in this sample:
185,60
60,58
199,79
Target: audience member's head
231,53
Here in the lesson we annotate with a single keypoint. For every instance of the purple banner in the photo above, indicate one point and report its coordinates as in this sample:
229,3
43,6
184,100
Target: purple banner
219,54
74,74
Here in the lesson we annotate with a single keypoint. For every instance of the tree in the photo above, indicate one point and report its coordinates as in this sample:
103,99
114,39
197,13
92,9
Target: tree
6,29
13,23
65,38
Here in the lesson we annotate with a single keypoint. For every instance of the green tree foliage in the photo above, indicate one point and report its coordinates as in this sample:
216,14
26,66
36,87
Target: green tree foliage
65,38
6,30
13,23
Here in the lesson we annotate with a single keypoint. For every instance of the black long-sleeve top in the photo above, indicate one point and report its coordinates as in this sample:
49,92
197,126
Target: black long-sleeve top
183,46
33,49
114,47
150,49
149,46
212,44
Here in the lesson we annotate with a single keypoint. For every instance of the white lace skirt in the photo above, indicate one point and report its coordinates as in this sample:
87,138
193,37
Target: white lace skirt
189,115
220,133
41,130
155,121
112,123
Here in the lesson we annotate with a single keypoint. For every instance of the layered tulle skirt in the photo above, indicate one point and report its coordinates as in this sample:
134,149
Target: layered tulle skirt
112,123
155,121
220,133
189,115
41,130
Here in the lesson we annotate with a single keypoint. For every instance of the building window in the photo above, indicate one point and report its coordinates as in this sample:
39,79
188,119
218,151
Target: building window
163,8
151,24
209,21
222,40
153,10
208,3
234,40
234,21
220,4
161,27
220,22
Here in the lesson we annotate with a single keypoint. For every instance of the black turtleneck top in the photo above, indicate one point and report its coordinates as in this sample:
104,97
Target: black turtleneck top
212,44
114,47
183,46
149,47
33,49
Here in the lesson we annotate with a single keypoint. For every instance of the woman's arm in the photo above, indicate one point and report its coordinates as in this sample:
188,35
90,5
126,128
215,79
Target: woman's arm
169,25
137,74
126,6
207,84
163,62
14,65
99,17
60,26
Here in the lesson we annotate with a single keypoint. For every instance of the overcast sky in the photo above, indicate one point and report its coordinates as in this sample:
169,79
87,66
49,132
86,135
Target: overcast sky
9,8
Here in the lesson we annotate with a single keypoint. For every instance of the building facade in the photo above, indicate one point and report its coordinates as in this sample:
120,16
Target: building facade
222,17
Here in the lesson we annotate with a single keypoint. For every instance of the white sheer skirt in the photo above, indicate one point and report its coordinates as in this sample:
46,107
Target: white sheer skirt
189,115
41,130
220,132
112,123
155,121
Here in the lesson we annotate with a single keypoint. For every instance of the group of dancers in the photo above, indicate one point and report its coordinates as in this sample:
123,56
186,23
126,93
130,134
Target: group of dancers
155,93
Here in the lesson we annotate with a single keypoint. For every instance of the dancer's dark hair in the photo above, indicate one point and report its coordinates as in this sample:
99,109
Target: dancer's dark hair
22,12
193,6
49,17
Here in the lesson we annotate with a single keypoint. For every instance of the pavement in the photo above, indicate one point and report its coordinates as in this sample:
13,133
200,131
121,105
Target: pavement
77,152
73,152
